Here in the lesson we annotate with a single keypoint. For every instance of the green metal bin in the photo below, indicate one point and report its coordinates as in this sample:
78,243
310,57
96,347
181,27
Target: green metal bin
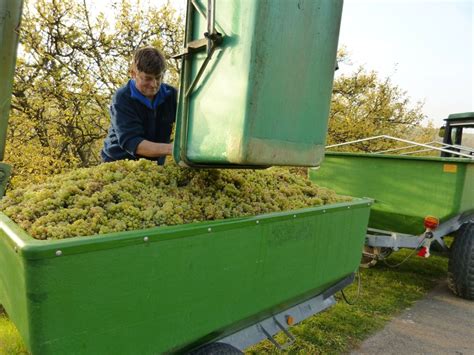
263,97
405,188
164,289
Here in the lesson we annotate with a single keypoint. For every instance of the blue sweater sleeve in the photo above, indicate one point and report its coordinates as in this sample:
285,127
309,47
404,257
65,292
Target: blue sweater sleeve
127,124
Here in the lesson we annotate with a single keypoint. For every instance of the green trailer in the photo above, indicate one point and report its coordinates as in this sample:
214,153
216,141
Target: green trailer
171,289
406,189
418,199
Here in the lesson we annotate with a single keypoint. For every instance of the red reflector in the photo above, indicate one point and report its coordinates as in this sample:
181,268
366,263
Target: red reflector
431,222
422,252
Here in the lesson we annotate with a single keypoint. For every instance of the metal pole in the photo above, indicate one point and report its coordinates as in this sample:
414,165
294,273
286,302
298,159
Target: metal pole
10,19
211,15
211,11
401,140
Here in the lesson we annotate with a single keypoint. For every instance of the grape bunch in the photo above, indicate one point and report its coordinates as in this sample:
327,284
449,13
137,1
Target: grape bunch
130,195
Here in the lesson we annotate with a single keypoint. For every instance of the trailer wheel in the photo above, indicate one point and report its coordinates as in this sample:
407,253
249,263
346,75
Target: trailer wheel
461,263
216,349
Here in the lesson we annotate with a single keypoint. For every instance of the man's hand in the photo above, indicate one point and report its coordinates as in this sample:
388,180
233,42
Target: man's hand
149,149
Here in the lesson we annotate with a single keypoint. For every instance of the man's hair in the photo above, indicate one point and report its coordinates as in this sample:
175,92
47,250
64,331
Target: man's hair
149,60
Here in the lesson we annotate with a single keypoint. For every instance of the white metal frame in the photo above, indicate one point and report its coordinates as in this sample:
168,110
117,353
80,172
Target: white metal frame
427,146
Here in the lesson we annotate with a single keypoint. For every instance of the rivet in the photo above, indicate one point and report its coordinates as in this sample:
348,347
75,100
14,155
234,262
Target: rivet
59,253
209,229
145,239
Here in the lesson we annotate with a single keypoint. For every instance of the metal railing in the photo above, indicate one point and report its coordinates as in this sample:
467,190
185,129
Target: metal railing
453,149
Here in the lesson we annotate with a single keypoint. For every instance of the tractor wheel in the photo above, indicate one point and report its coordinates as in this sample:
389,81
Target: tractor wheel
461,263
216,349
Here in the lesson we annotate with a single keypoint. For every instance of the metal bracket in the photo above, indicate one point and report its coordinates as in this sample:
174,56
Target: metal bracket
212,39
268,327
274,342
192,47
387,239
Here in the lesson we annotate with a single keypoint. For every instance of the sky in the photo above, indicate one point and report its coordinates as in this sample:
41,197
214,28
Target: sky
425,46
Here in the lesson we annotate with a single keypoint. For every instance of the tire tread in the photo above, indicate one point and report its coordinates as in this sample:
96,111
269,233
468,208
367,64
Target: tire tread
461,263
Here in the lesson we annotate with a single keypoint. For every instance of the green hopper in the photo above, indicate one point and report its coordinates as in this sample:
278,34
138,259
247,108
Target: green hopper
256,89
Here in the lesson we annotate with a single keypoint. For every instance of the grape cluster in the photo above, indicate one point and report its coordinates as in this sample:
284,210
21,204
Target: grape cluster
131,195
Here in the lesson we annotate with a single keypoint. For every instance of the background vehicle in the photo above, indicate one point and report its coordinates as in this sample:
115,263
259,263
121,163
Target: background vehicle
407,188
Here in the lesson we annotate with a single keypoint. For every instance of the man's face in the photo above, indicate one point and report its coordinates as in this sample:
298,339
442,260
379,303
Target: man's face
147,84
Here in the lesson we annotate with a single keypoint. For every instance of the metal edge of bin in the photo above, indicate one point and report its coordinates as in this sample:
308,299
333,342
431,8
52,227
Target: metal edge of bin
30,248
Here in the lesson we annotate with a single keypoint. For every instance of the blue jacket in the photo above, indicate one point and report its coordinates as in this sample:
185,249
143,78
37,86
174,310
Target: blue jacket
133,118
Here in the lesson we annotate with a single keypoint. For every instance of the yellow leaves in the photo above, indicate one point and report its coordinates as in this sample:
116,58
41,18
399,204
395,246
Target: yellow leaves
32,163
364,105
69,65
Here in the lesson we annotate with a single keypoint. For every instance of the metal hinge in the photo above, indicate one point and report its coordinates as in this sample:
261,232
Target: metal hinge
212,39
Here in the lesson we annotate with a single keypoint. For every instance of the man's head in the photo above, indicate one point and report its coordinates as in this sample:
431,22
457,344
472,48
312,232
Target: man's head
148,68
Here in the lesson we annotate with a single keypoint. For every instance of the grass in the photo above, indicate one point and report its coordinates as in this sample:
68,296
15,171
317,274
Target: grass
385,293
10,341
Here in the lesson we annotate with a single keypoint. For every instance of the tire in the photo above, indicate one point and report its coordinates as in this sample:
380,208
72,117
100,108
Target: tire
461,263
216,349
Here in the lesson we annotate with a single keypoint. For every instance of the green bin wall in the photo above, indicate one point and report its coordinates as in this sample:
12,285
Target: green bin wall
264,97
405,189
122,294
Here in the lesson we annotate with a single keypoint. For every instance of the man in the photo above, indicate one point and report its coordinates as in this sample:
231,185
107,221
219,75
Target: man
142,112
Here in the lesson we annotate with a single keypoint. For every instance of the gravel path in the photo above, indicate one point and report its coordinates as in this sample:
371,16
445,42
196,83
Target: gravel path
438,324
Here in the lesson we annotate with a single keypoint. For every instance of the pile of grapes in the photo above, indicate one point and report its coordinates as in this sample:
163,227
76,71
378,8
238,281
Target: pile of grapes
131,195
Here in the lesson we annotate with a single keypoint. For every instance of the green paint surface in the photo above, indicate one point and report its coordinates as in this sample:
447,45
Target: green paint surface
264,96
405,189
187,284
